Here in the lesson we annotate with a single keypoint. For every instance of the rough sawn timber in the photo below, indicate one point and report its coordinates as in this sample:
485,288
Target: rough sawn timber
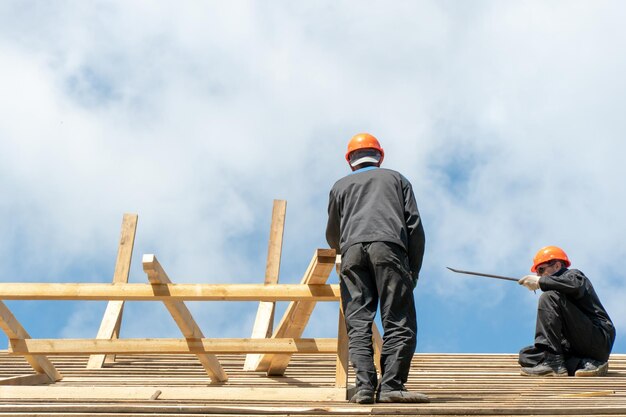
112,319
458,384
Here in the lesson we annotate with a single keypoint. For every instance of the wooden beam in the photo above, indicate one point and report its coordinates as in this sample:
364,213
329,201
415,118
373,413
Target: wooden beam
30,379
171,292
14,330
264,322
112,319
194,393
169,346
183,318
275,244
341,369
297,314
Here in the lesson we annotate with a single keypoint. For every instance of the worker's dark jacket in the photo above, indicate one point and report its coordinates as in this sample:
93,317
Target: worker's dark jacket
578,289
375,205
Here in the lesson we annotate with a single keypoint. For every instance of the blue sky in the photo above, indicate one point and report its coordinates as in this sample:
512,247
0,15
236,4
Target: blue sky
507,117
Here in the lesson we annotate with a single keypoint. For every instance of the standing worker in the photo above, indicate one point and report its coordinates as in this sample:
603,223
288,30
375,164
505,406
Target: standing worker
373,221
574,334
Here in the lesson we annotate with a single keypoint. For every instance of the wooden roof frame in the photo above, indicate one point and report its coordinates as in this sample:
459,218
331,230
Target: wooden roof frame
268,351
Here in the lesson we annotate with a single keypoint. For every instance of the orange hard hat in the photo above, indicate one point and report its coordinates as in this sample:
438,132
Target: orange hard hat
364,141
547,254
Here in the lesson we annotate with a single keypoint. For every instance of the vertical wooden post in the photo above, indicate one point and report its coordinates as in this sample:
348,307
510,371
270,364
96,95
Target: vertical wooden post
341,373
377,341
112,318
264,323
14,330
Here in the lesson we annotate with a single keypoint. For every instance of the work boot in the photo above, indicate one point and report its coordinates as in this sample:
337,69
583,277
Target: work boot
402,396
593,368
552,365
363,396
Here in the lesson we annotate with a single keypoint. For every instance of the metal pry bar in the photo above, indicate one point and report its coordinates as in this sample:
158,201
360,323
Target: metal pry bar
458,271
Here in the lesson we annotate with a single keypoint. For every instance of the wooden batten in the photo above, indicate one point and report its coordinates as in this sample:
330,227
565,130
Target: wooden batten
112,319
30,379
176,385
168,292
169,346
221,393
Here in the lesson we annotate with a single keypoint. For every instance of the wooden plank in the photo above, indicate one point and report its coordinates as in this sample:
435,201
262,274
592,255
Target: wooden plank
297,314
14,330
183,318
458,384
112,319
264,322
171,292
169,346
296,393
31,379
341,368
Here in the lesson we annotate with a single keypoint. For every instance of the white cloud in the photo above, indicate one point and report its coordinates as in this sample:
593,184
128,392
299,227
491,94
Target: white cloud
507,118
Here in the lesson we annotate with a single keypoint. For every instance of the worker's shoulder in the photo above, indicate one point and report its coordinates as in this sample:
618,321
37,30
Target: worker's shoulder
371,173
370,177
575,274
574,271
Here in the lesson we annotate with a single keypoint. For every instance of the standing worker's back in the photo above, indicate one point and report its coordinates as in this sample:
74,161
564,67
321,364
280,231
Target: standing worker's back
373,221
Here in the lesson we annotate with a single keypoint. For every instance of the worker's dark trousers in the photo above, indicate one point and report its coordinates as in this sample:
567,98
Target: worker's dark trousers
563,329
373,272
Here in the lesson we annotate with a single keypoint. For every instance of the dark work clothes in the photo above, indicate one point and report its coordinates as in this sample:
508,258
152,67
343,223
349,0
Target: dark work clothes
571,321
375,205
373,272
373,221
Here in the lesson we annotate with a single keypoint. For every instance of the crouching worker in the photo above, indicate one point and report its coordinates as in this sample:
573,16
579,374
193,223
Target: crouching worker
574,334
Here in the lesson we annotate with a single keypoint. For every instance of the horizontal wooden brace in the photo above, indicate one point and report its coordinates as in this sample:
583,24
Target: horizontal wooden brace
169,346
74,394
164,292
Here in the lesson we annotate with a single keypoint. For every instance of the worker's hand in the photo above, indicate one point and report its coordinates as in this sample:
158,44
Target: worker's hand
530,281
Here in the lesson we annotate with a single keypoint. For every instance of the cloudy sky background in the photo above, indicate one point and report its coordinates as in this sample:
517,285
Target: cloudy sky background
507,117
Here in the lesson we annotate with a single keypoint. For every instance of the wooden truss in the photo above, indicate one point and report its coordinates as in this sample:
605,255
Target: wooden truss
267,350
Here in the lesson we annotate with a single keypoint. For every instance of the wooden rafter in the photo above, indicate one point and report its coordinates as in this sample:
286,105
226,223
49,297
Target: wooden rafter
170,346
112,319
183,318
263,324
15,331
297,314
